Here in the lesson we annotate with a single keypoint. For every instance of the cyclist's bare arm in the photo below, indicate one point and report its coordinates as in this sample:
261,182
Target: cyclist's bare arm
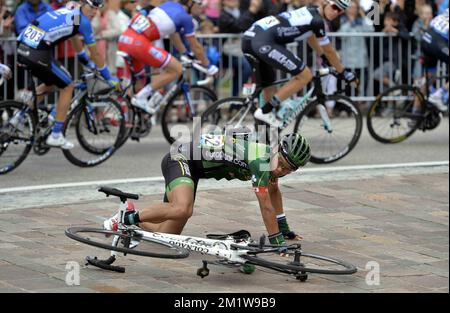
175,39
333,57
314,44
275,197
95,55
328,51
268,212
198,50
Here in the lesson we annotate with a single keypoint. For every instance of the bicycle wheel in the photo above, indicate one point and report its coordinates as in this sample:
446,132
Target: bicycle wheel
333,128
228,113
129,242
130,117
98,127
17,128
177,116
300,262
390,118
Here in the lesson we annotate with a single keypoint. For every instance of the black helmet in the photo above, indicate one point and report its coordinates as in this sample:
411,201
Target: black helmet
95,3
295,149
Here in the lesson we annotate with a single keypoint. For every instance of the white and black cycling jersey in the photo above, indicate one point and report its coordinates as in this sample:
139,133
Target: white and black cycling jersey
292,26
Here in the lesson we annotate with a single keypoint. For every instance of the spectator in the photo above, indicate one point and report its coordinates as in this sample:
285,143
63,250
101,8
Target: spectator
235,21
212,10
267,8
425,13
354,50
6,48
106,26
128,10
388,73
28,12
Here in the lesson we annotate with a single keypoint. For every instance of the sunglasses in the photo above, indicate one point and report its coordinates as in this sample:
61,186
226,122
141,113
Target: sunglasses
285,166
335,8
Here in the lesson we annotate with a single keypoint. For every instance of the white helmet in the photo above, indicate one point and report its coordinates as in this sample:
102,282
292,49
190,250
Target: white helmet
343,4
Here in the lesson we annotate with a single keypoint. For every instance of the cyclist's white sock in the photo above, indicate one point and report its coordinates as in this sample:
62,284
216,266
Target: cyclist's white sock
145,92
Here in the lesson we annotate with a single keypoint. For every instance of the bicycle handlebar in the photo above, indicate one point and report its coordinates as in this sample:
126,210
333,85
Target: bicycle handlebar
187,62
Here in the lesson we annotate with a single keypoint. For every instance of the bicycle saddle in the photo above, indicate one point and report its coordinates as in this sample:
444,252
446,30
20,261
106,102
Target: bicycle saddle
116,192
240,234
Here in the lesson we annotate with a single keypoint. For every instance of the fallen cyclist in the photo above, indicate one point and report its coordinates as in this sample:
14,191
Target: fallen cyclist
222,156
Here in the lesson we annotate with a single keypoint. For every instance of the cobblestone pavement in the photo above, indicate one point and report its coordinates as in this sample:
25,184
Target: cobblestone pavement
401,222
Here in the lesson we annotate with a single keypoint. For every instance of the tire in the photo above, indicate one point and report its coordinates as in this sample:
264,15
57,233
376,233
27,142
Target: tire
328,146
225,114
97,132
10,157
130,117
389,119
197,93
269,258
98,238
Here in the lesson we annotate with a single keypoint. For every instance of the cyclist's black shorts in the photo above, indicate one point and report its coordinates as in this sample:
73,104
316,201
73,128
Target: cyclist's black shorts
43,65
434,48
176,171
262,45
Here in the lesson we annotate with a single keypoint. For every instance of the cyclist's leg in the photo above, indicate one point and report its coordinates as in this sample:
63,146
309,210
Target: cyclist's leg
281,58
171,216
146,53
51,73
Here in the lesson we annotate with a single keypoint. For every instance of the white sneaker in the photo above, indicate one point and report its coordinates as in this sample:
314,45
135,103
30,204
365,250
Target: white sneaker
436,100
112,223
59,141
269,118
149,106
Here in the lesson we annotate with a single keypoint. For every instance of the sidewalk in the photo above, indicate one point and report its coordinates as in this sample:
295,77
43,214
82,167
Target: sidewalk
401,222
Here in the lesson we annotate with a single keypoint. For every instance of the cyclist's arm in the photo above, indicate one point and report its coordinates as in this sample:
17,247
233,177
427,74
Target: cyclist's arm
314,44
267,211
197,49
275,195
175,39
333,57
94,54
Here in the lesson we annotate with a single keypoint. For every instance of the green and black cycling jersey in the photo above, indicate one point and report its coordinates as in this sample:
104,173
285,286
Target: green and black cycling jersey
219,157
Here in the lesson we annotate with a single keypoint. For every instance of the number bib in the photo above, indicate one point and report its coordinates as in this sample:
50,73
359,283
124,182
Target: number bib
33,36
267,22
140,24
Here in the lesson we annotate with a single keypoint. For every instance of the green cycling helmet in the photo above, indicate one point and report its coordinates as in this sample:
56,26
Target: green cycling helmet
295,149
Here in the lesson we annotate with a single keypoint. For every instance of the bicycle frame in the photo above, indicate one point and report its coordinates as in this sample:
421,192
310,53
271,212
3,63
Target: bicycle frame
227,249
315,91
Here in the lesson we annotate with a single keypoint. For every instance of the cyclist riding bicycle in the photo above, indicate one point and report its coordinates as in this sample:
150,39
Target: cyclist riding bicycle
233,156
266,41
36,46
434,46
153,23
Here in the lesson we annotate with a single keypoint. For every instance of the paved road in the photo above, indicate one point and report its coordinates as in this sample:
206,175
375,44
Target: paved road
143,159
397,219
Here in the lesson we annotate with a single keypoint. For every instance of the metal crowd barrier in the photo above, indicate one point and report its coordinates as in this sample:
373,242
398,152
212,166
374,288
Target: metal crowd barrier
401,56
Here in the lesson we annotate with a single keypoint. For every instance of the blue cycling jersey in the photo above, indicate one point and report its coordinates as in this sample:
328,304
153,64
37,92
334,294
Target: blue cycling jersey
440,24
54,27
171,17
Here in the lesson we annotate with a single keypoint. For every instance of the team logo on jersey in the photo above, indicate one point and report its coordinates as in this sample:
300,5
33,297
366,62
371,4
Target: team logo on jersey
282,59
156,53
265,49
